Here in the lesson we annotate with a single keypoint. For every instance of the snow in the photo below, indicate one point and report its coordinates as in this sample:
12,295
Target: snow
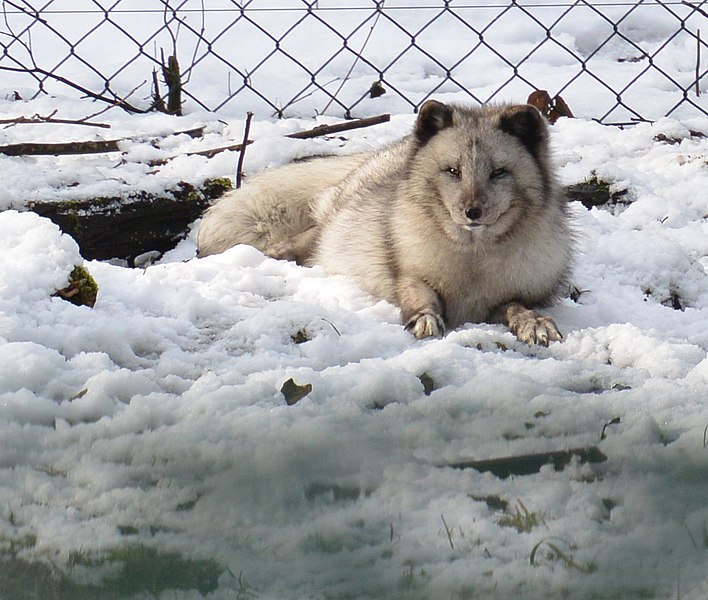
167,394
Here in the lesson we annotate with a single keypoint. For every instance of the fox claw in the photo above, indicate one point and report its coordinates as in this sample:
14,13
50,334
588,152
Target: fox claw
426,324
536,329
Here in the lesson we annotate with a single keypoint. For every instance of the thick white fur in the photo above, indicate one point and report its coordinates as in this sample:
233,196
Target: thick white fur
461,221
272,206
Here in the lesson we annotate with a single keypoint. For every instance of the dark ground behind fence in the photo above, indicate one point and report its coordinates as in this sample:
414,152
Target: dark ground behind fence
300,57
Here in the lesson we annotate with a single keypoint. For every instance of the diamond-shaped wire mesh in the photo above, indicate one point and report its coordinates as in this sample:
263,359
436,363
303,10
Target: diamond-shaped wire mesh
617,60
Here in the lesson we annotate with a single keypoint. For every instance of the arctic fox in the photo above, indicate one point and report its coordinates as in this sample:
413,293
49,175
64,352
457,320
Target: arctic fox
462,221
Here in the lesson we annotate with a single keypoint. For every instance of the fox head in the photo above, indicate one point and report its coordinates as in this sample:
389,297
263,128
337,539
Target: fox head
479,170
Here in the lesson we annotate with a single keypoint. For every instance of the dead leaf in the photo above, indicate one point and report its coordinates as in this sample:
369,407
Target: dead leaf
552,108
293,392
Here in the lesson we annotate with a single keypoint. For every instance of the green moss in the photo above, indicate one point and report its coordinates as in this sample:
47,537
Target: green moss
214,188
596,192
82,289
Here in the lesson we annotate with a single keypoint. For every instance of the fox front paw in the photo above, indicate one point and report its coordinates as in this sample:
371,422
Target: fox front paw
426,324
533,328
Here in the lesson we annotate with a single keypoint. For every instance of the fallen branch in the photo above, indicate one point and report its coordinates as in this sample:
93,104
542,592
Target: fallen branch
321,130
85,147
60,148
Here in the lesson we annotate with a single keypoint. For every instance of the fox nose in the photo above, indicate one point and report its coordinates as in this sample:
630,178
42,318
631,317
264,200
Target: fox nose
473,213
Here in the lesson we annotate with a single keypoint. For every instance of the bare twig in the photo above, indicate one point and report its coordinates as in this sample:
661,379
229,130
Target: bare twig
211,153
97,113
242,152
165,20
448,532
11,33
116,101
22,9
157,101
335,331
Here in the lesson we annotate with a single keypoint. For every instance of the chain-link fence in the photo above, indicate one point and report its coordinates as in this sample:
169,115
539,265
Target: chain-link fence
612,60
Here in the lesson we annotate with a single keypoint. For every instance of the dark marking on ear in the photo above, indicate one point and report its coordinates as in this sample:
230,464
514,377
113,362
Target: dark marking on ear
526,124
433,117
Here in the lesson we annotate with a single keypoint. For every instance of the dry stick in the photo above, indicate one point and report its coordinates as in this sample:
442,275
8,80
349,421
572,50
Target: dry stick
39,119
35,149
87,147
242,152
339,127
211,153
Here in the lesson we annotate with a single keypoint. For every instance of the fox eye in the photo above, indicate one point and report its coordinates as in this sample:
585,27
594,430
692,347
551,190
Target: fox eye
454,171
497,173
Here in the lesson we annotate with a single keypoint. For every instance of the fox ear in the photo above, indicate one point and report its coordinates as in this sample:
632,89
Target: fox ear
527,124
433,117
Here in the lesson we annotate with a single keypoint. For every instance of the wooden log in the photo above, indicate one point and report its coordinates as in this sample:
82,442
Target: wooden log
127,227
